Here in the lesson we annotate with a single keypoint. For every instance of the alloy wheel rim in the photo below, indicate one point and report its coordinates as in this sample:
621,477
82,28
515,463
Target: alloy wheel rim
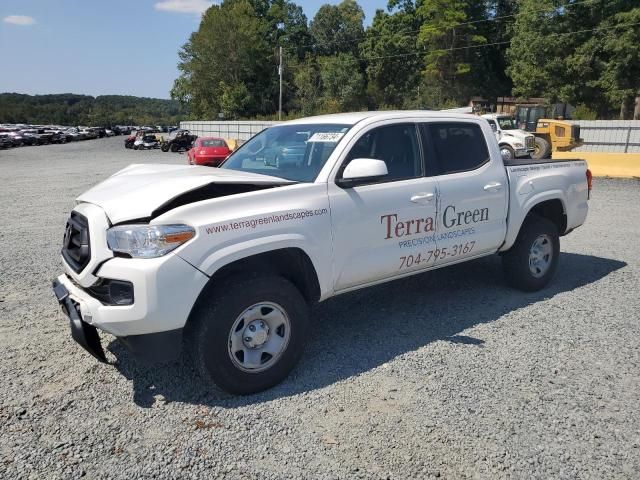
259,337
540,255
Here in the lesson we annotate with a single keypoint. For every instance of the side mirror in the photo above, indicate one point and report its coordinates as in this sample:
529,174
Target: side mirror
362,170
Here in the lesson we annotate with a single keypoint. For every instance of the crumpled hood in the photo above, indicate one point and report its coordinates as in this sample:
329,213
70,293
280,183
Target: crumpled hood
138,190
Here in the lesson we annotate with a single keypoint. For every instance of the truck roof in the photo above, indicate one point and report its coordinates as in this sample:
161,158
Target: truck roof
354,117
493,116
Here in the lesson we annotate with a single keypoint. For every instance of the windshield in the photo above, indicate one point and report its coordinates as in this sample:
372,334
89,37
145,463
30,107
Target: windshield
507,123
213,142
294,152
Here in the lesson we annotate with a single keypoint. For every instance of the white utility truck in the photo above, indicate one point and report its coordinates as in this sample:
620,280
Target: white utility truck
224,262
513,142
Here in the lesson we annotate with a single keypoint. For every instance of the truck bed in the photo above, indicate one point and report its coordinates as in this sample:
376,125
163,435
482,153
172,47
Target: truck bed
518,162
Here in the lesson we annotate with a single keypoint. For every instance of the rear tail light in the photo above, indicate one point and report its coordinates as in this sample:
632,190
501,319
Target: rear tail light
589,183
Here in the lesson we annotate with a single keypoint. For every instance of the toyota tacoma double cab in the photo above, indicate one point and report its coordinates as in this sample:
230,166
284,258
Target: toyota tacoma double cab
224,263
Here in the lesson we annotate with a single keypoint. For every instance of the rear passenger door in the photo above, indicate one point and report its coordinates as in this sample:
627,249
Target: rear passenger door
472,201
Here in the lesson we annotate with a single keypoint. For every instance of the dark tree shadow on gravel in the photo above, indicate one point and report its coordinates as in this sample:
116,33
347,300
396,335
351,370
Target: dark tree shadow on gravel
355,332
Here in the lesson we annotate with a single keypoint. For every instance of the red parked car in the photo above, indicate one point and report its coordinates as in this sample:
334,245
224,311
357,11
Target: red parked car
209,151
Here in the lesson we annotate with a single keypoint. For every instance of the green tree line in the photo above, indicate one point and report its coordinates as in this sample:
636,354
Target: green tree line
71,109
414,54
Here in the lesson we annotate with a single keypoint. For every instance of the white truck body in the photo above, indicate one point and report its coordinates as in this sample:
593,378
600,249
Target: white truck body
352,235
520,143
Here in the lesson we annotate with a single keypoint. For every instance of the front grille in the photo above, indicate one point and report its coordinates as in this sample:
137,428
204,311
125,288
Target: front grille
530,143
75,247
575,132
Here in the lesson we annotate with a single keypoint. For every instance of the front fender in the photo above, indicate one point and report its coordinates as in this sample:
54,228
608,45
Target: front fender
230,253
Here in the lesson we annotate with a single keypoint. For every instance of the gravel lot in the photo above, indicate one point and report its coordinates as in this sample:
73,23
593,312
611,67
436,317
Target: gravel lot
449,374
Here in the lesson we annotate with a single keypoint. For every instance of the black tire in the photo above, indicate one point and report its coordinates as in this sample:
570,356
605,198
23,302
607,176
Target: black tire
165,147
507,152
209,329
516,262
543,149
174,147
128,145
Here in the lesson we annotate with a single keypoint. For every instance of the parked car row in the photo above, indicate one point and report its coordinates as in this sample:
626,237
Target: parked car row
209,151
19,135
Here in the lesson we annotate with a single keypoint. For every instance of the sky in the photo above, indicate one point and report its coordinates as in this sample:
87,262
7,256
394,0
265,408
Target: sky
91,47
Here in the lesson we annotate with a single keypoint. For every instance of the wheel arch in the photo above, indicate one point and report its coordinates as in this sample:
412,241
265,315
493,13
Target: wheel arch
291,263
552,209
551,206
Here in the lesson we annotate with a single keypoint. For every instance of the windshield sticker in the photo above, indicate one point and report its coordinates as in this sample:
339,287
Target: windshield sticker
332,137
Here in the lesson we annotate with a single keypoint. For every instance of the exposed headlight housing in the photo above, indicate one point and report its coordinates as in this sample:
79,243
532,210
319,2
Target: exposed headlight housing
148,241
517,145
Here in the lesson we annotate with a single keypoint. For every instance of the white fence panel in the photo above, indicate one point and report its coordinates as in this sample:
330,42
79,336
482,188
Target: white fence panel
240,130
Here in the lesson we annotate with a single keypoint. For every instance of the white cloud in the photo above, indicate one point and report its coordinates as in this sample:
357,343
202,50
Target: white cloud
184,6
21,20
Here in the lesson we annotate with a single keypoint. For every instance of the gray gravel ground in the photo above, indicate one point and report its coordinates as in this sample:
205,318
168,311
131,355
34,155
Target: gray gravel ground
449,374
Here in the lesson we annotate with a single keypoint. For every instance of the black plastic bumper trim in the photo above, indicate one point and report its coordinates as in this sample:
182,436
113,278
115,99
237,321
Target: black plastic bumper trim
84,334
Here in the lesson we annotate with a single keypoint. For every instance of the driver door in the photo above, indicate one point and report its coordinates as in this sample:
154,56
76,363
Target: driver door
384,228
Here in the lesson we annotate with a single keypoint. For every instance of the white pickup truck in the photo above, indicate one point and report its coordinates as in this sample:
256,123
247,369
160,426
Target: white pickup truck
232,257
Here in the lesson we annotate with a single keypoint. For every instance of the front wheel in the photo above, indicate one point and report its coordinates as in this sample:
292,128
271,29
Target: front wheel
542,149
507,152
250,333
174,147
532,260
165,147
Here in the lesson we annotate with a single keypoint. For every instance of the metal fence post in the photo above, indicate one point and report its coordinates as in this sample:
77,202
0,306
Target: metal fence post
626,144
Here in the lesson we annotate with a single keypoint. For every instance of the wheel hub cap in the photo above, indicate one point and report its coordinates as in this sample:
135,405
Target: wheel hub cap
540,256
255,334
259,337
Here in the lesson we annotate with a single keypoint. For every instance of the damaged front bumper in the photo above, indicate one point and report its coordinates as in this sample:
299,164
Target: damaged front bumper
147,348
84,334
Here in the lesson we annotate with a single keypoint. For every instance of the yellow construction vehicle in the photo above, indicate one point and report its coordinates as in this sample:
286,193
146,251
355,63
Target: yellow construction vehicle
547,123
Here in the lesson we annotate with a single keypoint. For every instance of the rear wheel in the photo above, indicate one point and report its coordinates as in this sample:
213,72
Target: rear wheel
532,260
542,149
174,147
250,333
165,147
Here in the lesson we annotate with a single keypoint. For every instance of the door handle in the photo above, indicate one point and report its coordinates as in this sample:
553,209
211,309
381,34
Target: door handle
422,197
493,187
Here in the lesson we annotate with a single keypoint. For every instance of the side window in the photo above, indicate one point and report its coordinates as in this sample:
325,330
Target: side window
454,147
397,145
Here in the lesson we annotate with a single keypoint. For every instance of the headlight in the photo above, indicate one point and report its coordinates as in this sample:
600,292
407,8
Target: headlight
148,241
517,145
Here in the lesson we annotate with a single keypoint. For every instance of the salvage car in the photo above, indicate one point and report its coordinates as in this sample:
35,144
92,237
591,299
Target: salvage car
147,142
181,140
224,263
209,151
